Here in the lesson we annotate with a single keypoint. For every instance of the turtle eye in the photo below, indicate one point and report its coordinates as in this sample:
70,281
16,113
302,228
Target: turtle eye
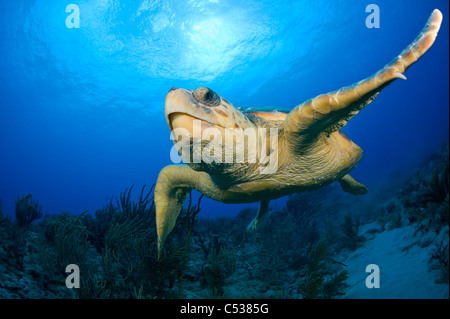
206,96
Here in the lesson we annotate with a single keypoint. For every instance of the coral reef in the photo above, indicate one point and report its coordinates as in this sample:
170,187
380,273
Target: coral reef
128,266
426,196
298,251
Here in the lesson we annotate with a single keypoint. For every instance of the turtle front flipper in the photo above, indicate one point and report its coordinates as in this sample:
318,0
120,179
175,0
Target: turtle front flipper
263,205
350,185
172,187
330,112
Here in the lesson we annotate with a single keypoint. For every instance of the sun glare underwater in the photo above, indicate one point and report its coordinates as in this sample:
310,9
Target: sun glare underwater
82,118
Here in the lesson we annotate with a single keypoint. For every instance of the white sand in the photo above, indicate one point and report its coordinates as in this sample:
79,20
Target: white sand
404,268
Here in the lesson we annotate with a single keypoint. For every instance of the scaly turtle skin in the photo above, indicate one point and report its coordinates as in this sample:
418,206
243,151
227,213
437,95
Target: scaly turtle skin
310,149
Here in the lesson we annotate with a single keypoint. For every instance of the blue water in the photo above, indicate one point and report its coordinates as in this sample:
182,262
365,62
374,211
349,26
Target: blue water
81,109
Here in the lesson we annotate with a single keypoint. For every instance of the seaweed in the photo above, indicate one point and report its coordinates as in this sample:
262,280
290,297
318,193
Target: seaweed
437,187
220,266
130,209
71,242
391,217
12,242
128,265
441,254
124,236
279,231
127,245
320,282
270,265
426,198
350,230
98,225
335,285
27,210
331,235
3,219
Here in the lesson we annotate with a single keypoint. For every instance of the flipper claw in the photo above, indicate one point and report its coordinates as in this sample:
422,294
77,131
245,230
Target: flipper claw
399,75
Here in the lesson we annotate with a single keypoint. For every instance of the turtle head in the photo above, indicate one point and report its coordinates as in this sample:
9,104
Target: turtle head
200,121
187,109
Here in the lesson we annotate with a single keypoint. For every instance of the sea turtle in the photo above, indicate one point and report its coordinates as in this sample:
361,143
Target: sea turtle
310,150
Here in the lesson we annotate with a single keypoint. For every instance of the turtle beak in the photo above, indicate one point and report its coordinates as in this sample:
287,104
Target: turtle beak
178,109
177,100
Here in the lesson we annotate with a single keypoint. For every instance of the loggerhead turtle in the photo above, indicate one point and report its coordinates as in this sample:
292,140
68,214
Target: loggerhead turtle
311,151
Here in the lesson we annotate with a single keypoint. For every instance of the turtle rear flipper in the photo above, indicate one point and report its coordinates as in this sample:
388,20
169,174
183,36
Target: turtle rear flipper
330,112
263,205
350,185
